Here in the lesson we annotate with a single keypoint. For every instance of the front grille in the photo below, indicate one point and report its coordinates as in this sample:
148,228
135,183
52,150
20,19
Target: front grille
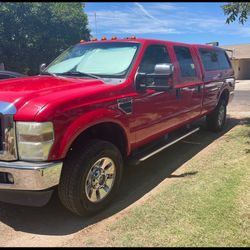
7,138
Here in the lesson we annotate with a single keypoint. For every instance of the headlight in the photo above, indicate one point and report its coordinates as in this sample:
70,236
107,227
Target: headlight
34,140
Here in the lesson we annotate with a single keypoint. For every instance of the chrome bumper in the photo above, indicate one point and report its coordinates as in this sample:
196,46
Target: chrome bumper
31,176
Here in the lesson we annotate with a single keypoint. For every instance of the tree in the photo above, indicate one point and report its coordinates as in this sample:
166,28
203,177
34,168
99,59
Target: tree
238,11
33,33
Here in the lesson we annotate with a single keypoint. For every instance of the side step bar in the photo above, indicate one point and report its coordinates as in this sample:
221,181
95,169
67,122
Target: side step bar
138,160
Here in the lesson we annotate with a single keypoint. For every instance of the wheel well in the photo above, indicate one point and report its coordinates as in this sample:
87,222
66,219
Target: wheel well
225,96
107,131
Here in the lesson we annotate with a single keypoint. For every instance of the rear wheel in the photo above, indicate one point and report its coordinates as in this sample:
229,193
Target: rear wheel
90,177
216,120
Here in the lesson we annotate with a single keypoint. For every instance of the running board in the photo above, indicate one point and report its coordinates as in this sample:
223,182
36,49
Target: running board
136,160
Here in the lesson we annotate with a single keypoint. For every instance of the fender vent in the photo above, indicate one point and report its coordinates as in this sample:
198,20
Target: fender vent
125,105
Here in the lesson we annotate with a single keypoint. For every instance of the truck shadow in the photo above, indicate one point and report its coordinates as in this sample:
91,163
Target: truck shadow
54,219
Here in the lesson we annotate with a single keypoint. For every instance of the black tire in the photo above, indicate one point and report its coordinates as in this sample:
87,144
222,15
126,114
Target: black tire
216,119
75,173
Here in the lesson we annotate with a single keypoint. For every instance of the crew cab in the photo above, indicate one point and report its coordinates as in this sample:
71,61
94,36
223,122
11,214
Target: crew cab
97,105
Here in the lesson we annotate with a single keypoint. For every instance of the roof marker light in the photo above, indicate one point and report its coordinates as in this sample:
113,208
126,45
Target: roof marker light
113,38
94,39
82,41
104,38
133,37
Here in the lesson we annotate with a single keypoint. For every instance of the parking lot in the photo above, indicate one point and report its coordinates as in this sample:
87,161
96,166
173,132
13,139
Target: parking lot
53,225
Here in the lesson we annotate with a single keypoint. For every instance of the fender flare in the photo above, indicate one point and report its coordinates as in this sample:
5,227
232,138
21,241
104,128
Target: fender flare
81,124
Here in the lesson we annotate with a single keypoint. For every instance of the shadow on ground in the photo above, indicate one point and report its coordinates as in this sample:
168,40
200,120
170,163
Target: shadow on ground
54,219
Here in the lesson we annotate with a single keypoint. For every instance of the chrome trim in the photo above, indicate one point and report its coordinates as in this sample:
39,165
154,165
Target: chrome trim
125,101
167,145
31,176
9,148
230,80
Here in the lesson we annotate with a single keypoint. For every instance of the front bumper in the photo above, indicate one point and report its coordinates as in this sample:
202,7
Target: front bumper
30,176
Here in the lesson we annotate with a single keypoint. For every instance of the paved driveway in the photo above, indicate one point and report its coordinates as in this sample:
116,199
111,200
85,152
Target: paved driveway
240,105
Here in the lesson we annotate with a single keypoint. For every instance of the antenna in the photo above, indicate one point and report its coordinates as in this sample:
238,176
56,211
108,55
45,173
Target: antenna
95,26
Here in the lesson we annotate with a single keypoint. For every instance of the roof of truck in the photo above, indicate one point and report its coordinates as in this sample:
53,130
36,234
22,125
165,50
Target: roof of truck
143,40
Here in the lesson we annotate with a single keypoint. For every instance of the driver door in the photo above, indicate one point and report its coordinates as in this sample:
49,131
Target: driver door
154,111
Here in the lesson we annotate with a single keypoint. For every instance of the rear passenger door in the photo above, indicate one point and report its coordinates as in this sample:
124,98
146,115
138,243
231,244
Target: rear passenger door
217,68
189,87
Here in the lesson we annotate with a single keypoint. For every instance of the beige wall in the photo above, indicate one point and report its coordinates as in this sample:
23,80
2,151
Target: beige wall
241,68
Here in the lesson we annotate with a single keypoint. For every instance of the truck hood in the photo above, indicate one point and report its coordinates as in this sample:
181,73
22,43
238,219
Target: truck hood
30,94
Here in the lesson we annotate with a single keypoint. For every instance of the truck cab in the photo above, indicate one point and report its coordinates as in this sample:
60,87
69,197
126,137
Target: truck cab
97,105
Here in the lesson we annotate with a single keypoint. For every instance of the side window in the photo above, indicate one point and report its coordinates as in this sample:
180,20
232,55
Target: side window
214,59
184,57
153,55
209,59
223,60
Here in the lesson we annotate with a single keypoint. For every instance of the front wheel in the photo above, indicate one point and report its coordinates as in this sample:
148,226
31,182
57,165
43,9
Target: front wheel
90,177
216,120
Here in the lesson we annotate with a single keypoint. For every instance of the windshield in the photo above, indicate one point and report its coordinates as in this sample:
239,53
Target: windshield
107,59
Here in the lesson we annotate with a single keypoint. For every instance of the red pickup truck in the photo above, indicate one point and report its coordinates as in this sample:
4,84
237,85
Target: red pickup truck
98,104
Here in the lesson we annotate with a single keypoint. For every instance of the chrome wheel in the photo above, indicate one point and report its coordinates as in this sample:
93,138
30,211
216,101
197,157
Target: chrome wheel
100,179
221,115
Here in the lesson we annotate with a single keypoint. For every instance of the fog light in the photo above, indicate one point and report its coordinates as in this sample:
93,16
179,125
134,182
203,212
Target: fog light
10,178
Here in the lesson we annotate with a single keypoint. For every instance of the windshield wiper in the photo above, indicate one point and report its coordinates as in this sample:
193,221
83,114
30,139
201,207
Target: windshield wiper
47,73
78,73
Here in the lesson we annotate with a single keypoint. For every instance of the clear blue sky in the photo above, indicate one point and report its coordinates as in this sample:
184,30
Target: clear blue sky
183,22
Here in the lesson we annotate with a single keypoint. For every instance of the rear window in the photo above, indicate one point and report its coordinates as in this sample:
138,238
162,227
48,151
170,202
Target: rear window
214,59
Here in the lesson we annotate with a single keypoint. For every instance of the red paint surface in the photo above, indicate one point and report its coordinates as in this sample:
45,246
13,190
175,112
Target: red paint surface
74,104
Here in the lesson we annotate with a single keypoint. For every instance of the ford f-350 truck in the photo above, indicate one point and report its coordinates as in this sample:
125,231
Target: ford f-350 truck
98,104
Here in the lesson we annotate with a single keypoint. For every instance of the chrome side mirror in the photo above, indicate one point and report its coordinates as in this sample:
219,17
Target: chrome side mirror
164,69
158,80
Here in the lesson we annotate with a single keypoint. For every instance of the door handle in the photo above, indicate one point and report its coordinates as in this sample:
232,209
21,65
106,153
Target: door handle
178,93
218,76
196,88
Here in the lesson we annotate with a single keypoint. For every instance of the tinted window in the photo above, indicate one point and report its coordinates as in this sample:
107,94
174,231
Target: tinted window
5,76
214,60
185,60
223,60
154,54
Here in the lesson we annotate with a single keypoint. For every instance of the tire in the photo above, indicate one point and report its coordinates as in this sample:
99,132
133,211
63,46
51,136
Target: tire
82,176
216,120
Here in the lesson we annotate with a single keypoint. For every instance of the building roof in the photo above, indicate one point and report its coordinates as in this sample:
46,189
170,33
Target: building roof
240,51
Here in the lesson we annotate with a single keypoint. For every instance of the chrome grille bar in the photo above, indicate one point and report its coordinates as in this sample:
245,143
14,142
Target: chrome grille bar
8,147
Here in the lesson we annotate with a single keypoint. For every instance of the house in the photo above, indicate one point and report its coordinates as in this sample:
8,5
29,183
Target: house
240,58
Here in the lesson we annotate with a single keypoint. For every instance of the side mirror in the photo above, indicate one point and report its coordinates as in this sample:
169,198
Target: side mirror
42,67
156,80
164,69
